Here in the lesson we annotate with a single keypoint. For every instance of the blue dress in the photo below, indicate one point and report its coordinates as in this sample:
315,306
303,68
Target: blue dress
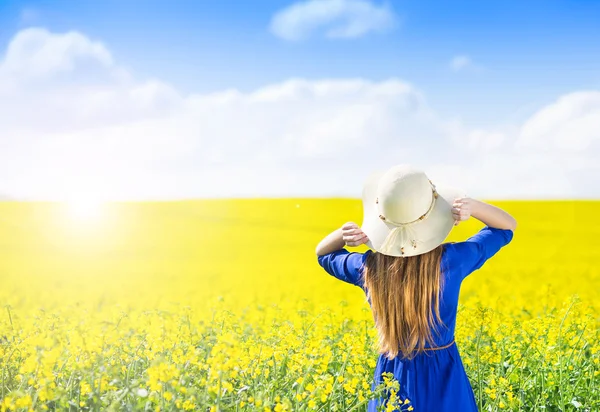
435,381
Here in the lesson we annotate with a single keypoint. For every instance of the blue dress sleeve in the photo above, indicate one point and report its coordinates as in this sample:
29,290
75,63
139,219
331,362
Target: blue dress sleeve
471,254
344,265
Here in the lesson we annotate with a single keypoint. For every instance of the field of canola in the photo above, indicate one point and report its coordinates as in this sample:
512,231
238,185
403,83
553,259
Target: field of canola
221,306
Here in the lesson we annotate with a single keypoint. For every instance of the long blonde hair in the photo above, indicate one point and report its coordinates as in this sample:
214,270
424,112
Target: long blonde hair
404,294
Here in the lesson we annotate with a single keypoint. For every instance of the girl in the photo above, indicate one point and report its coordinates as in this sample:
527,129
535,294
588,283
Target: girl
412,280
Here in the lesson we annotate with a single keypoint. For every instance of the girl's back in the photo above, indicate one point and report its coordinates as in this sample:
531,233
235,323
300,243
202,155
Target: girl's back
434,380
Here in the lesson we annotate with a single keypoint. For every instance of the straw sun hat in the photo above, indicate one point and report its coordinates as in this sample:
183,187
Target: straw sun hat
405,214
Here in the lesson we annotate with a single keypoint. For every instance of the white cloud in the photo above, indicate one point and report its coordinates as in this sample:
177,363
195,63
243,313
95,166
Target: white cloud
83,124
463,63
484,140
35,52
334,18
571,124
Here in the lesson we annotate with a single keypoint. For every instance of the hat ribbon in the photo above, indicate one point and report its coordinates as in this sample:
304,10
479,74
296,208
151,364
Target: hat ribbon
405,230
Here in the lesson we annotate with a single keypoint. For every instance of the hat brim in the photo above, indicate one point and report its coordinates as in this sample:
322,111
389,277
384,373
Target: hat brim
429,233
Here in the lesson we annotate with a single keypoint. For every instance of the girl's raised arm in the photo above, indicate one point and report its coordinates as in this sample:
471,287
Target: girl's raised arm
490,215
349,234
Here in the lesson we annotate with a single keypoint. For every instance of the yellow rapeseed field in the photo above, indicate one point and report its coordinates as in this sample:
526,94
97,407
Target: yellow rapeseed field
220,305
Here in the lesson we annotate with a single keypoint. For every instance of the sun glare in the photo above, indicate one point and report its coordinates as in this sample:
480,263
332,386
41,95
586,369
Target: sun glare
85,210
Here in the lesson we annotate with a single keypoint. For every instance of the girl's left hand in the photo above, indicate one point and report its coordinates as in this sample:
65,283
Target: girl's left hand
353,235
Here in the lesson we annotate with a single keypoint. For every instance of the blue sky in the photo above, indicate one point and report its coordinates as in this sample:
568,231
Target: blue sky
529,52
518,57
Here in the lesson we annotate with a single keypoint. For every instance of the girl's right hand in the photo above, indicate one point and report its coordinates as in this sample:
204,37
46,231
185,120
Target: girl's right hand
353,235
461,209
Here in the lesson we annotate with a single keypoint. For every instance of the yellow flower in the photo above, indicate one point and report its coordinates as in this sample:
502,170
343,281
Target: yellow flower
143,298
23,402
7,403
